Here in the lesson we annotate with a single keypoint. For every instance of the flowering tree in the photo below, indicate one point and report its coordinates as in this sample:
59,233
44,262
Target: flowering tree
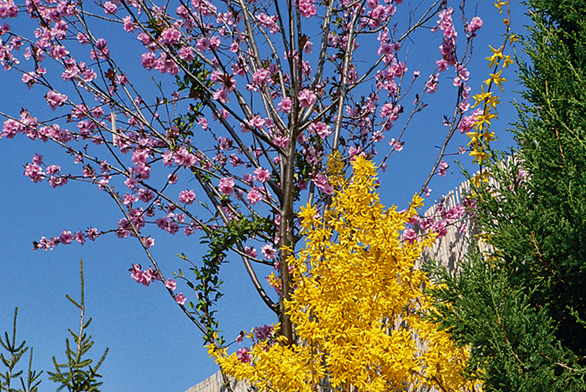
273,101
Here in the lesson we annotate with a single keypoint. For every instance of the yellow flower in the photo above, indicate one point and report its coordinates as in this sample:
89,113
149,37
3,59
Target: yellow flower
497,55
497,79
499,4
480,156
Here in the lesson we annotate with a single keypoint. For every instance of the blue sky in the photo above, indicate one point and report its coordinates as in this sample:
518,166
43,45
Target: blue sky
153,347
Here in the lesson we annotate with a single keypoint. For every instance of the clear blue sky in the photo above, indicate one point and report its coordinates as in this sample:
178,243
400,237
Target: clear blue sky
153,346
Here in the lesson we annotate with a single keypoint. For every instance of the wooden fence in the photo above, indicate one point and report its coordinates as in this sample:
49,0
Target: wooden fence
215,383
450,250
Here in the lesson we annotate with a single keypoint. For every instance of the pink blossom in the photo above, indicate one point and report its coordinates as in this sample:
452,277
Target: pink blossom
261,77
82,38
11,128
79,237
281,141
306,8
426,223
439,227
285,105
455,213
262,175
250,251
92,233
396,145
34,172
215,42
323,184
443,168
54,99
8,9
432,84
442,65
202,44
187,196
254,196
307,98
186,53
226,186
467,123
110,8
148,60
268,251
428,192
243,355
59,52
129,26
474,25
239,338
263,332
145,195
140,276
170,36
38,159
171,284
180,299
268,22
101,50
385,49
55,182
65,237
321,129
352,151
410,235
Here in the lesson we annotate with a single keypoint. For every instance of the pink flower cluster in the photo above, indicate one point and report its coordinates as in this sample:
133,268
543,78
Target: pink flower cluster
307,98
54,99
443,168
410,235
8,9
268,22
474,25
448,47
144,277
187,197
467,123
244,355
306,8
226,186
268,252
180,298
65,238
263,332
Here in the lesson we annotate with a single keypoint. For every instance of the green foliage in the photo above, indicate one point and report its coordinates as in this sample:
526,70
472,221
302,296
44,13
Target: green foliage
78,374
220,240
522,305
15,352
514,347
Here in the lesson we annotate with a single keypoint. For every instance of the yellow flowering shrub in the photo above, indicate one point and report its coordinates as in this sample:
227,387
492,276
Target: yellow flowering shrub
356,307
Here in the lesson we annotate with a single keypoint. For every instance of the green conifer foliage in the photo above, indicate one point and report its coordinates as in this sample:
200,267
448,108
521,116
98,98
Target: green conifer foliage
522,307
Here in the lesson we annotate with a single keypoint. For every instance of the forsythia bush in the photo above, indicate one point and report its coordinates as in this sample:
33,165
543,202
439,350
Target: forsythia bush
357,307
